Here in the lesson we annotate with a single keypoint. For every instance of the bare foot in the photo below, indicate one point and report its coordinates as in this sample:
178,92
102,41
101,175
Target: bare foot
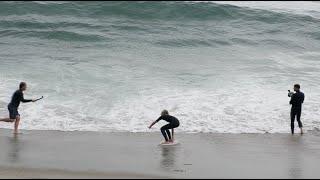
302,132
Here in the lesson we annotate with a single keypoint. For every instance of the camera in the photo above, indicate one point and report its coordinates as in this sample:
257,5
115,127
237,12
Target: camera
290,93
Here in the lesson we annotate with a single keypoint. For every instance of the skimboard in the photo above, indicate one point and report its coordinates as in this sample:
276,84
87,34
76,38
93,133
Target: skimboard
170,144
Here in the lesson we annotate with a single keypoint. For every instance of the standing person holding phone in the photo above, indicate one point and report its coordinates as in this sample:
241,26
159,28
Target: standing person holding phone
296,102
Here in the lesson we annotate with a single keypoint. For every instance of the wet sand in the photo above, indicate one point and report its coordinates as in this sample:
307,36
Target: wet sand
54,154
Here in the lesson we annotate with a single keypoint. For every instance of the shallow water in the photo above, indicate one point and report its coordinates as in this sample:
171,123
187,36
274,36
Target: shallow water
199,155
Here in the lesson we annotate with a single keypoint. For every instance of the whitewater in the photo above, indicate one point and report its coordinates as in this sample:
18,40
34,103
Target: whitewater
219,67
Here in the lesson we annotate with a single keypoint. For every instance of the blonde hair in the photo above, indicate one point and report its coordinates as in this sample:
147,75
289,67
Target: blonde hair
164,112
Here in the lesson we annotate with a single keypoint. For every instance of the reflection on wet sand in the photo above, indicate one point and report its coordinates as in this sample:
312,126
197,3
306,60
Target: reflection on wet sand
170,155
295,157
216,156
14,148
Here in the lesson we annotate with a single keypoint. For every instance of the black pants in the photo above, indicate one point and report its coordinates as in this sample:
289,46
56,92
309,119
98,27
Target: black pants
295,112
165,129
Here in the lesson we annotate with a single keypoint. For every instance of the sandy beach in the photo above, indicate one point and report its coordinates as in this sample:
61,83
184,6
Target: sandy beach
54,154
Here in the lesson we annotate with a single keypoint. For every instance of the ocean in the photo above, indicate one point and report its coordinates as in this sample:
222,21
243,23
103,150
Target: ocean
219,67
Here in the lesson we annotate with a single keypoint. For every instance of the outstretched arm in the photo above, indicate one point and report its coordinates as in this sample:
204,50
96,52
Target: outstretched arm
35,100
25,100
155,122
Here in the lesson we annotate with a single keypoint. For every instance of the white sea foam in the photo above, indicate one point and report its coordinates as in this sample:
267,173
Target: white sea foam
310,8
224,74
214,111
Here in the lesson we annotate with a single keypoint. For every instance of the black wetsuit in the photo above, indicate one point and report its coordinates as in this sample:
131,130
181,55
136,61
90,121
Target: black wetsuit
296,102
13,106
173,123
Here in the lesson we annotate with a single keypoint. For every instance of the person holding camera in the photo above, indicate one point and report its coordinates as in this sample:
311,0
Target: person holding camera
296,101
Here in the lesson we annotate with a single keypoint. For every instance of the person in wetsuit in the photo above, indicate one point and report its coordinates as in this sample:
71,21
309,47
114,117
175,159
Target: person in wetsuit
173,123
13,106
296,101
